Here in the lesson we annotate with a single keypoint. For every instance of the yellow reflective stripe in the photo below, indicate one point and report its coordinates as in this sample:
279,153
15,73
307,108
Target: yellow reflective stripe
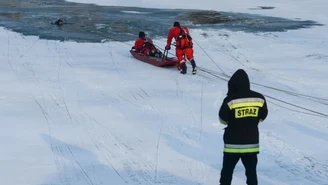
242,146
223,122
241,150
241,100
246,104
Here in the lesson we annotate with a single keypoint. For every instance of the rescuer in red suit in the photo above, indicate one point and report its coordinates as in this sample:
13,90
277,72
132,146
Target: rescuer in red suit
145,45
183,46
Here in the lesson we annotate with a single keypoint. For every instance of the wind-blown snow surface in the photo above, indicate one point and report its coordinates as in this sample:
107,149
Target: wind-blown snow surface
91,114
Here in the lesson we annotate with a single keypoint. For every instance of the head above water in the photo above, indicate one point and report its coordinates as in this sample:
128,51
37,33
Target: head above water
176,23
59,22
142,34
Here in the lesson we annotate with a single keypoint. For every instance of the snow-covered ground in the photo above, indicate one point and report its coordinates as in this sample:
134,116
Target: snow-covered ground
91,114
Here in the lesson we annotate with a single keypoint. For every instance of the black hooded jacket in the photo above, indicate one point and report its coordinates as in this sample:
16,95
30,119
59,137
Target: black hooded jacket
241,111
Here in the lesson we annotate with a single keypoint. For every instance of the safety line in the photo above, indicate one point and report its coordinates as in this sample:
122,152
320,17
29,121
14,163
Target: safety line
211,72
270,97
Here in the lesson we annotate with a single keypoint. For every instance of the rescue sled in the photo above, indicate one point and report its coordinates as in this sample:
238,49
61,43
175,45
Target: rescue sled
164,61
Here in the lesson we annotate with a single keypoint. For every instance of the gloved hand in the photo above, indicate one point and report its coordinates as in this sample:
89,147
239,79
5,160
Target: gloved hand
132,48
167,47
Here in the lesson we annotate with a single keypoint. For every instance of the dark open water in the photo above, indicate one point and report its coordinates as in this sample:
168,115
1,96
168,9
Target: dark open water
92,23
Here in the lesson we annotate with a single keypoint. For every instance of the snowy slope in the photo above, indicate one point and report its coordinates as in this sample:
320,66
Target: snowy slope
90,114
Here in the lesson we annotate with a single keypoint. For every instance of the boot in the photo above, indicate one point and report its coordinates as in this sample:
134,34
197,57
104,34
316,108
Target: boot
194,71
158,54
193,64
184,68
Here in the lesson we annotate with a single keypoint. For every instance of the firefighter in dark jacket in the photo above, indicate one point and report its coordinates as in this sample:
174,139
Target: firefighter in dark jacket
241,111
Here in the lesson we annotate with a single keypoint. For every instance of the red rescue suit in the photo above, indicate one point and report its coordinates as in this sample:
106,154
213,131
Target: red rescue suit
144,45
183,42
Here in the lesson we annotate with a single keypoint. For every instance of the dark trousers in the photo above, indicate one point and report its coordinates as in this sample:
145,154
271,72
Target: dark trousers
229,163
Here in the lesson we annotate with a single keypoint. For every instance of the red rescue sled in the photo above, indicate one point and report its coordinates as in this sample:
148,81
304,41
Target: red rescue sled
156,61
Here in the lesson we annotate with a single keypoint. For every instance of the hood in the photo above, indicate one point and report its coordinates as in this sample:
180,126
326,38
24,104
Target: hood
239,82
